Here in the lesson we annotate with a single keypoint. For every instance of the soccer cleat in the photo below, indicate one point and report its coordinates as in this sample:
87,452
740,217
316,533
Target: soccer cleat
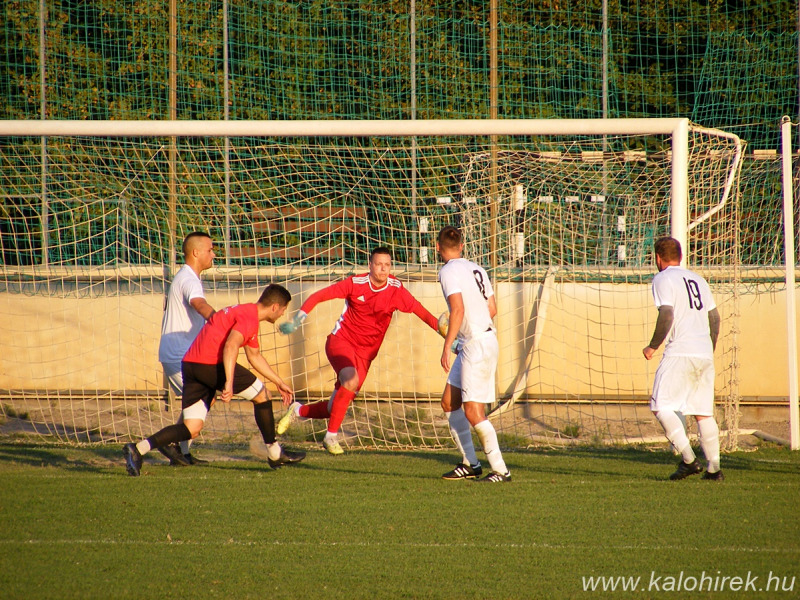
133,460
287,457
193,460
287,419
718,476
495,477
686,469
173,453
463,471
332,446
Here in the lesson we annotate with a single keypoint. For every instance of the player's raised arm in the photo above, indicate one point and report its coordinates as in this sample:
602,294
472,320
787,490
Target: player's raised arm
425,315
409,304
336,290
294,324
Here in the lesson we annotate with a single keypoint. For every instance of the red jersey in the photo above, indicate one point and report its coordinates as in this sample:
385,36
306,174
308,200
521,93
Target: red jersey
368,311
209,343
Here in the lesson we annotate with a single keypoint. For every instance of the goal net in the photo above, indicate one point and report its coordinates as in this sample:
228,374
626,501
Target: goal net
563,215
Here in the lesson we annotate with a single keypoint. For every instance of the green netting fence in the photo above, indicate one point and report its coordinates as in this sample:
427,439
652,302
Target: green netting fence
722,64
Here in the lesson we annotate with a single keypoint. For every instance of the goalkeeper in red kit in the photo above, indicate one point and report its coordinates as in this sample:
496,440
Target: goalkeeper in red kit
370,301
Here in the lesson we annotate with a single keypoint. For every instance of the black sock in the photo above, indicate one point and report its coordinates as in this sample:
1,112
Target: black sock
172,433
265,421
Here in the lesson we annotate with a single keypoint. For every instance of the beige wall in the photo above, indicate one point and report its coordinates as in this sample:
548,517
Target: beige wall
586,347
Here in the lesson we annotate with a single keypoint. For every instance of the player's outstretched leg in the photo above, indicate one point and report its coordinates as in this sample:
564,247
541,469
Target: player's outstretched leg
292,414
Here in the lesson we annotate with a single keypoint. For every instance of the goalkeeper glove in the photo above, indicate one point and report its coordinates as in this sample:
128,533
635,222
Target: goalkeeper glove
291,326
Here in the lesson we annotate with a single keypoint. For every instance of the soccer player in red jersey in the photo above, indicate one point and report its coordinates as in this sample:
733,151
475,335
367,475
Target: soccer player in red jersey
209,366
370,301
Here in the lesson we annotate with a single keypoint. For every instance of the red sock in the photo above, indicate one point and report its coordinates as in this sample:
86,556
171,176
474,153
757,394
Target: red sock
341,401
317,410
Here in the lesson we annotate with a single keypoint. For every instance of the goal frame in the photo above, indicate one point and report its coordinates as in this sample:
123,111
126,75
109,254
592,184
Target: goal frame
679,131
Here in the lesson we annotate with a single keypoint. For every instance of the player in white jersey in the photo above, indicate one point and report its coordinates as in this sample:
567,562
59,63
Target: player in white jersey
185,313
471,380
689,321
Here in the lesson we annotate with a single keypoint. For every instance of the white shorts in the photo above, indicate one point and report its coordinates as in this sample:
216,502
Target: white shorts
684,384
473,370
174,377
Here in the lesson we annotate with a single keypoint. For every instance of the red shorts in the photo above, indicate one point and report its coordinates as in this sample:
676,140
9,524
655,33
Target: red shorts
342,354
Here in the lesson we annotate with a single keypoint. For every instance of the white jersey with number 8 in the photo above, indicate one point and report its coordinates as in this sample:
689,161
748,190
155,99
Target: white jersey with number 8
462,276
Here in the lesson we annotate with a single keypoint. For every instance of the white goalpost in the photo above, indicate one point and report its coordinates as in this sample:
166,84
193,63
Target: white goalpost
562,213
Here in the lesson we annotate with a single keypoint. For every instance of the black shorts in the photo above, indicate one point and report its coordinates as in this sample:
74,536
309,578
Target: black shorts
202,382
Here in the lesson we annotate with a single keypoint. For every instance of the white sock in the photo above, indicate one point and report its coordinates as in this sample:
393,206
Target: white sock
488,438
462,436
274,450
185,444
143,447
676,434
709,442
331,436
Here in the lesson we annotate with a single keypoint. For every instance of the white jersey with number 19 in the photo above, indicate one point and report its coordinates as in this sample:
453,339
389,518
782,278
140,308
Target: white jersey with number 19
690,298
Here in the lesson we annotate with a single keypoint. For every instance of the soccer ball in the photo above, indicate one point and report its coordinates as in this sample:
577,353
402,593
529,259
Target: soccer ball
444,322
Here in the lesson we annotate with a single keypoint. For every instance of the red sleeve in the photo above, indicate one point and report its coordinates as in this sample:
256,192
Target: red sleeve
340,289
412,305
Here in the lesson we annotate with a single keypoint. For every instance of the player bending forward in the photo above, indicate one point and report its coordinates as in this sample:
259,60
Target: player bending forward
370,301
210,366
684,380
471,381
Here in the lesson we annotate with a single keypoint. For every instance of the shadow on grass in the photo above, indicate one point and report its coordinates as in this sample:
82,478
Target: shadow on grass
582,461
95,458
774,460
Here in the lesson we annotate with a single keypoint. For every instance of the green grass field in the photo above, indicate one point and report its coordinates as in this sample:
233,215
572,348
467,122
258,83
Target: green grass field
373,524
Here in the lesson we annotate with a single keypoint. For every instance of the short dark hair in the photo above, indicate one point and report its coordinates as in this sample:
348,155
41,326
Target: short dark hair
449,237
187,241
275,294
380,250
668,248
